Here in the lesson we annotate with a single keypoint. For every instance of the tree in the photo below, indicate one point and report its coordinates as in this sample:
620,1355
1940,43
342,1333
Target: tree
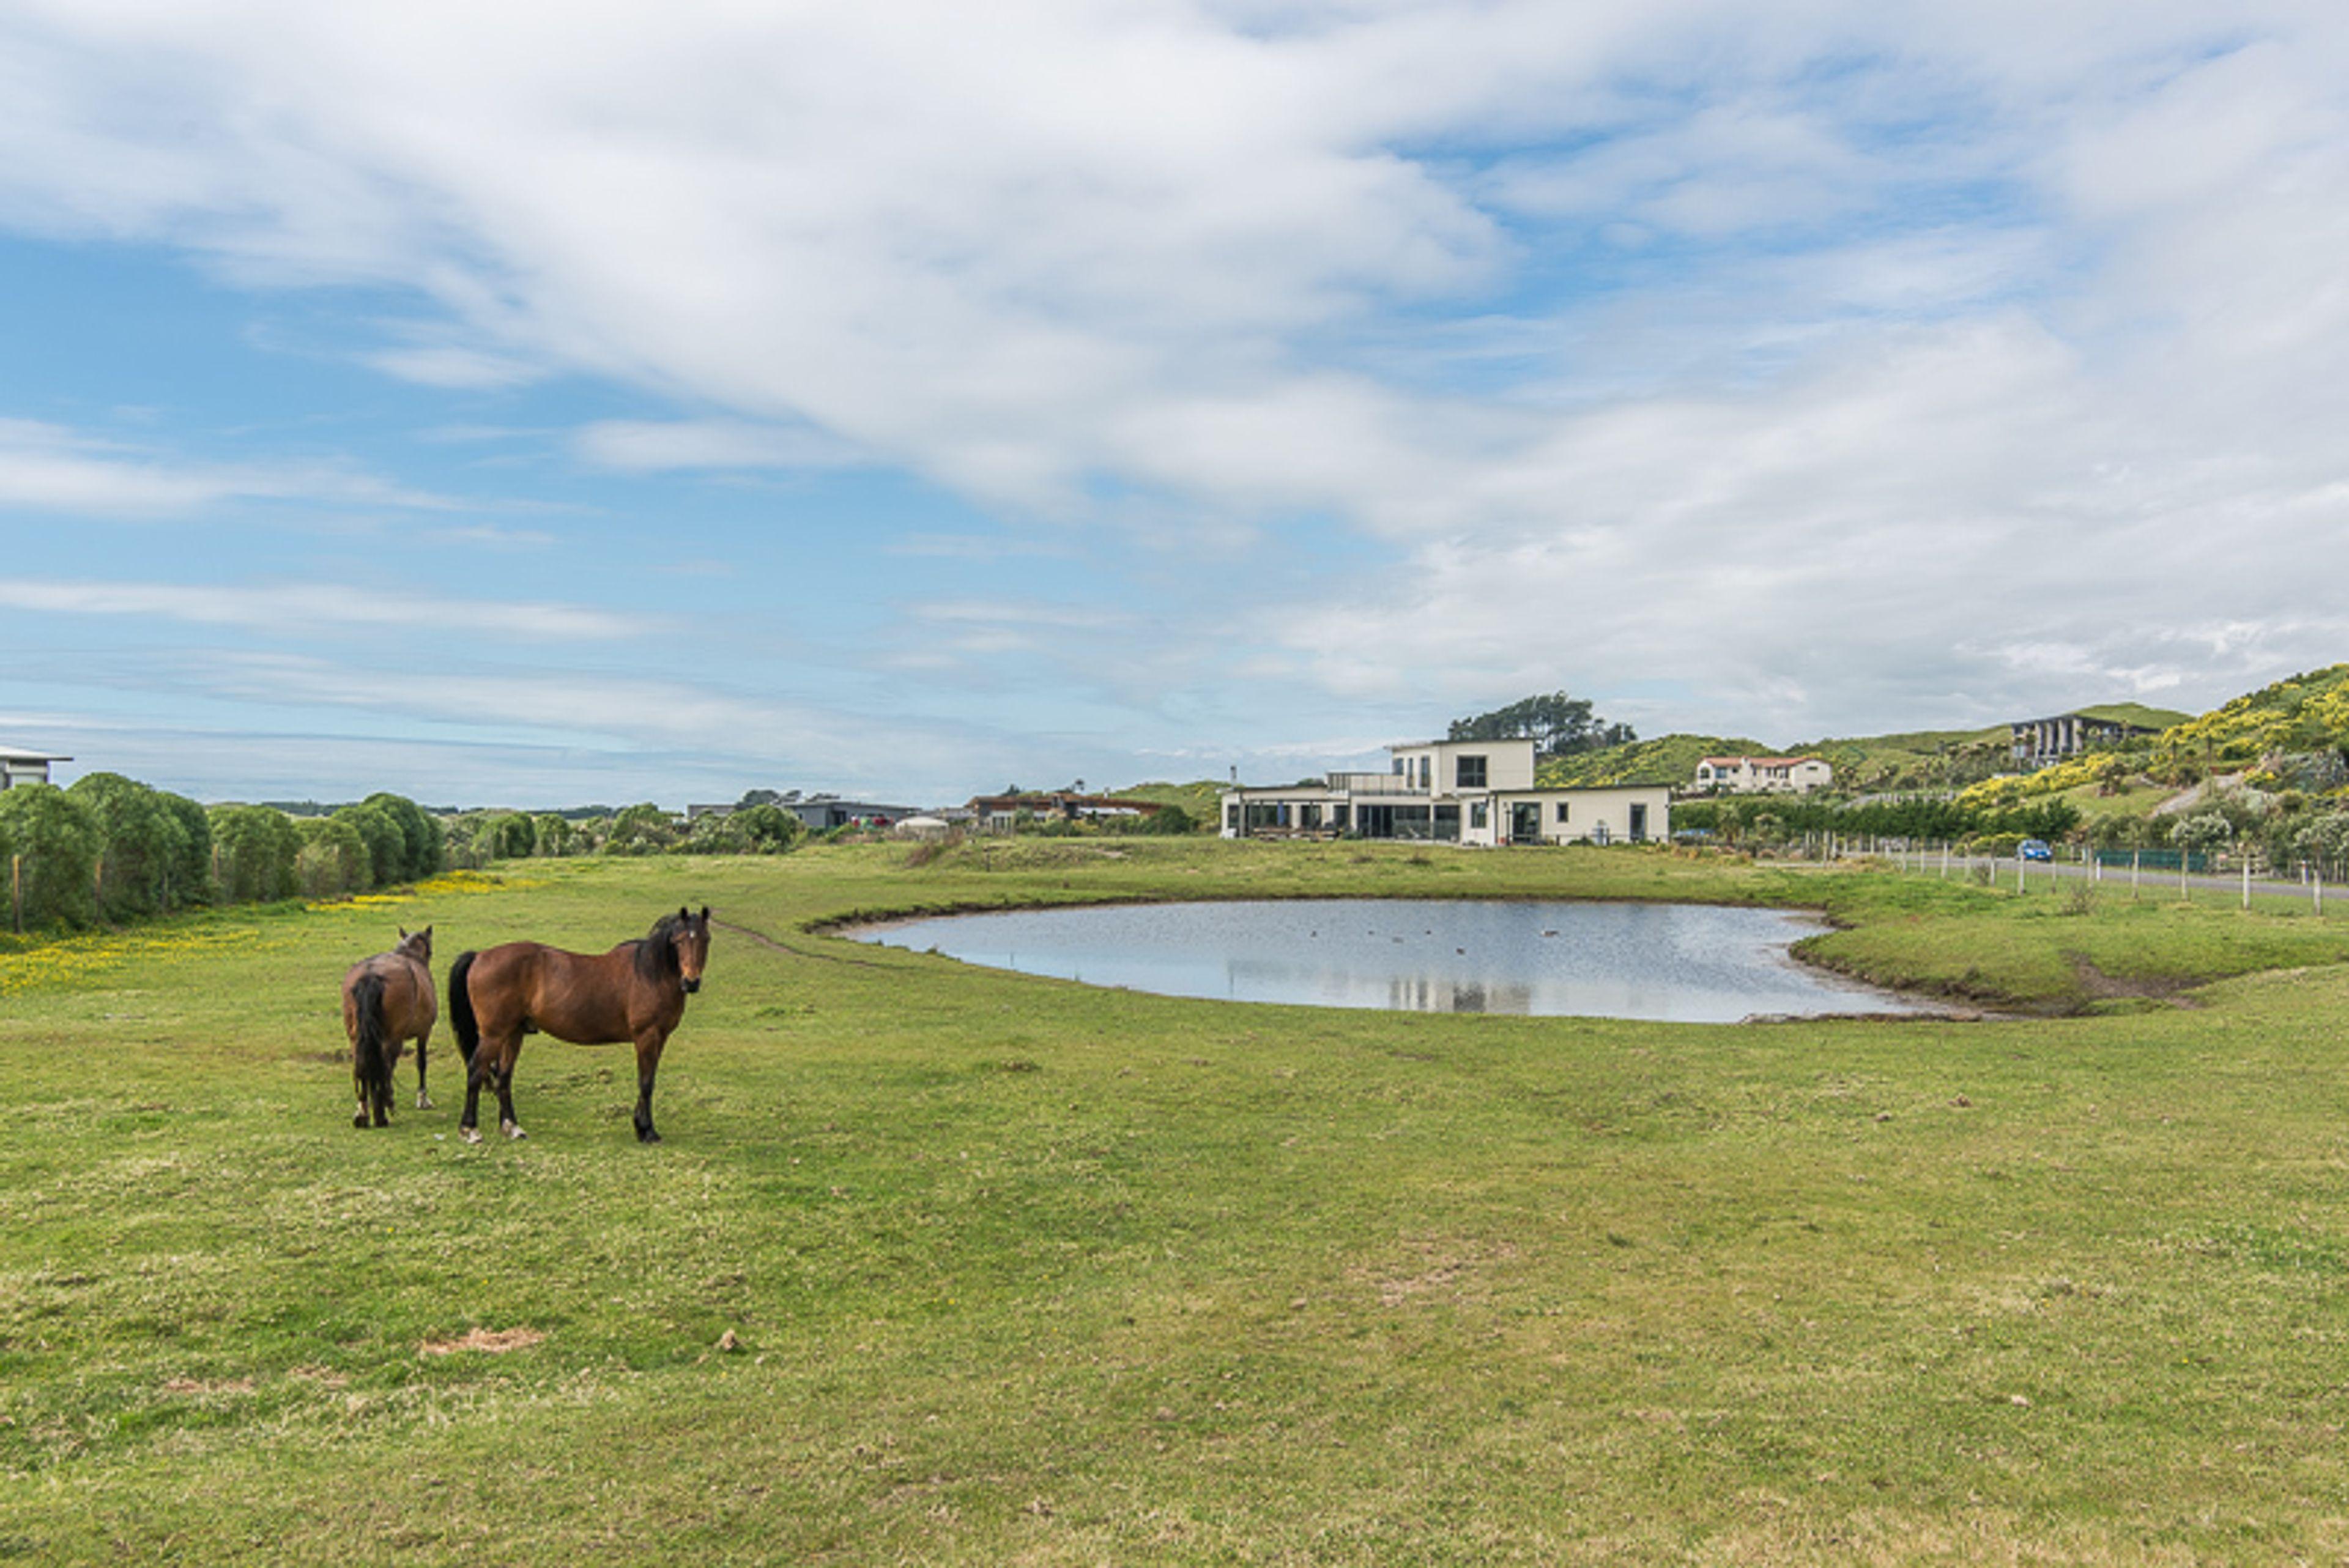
769,829
642,829
188,877
713,833
333,859
1558,725
555,835
138,840
57,837
386,844
419,834
258,847
2203,833
511,836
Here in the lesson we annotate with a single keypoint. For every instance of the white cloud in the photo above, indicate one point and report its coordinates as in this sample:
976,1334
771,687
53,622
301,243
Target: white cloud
646,446
49,468
1947,330
447,364
310,609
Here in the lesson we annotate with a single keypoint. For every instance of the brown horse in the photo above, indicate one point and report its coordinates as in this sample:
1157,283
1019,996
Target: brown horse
387,999
636,991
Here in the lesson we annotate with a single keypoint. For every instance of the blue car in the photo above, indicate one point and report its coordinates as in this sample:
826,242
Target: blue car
2033,849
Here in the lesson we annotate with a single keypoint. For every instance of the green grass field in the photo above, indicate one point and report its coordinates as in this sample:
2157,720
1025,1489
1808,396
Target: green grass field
1014,1271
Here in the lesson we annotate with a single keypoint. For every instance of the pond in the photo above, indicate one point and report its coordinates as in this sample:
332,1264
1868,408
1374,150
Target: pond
1686,963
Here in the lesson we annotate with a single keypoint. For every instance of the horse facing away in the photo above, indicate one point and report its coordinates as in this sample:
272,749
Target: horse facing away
387,999
636,991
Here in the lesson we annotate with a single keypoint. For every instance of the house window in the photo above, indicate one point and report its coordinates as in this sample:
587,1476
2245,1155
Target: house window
1479,815
1426,770
1468,773
1561,811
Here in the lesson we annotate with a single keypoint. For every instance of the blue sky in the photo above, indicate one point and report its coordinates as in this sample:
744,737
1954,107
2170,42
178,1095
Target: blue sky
558,404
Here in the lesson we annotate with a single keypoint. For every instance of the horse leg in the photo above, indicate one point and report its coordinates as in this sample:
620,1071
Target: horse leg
506,1122
423,1100
648,1056
483,1070
359,1084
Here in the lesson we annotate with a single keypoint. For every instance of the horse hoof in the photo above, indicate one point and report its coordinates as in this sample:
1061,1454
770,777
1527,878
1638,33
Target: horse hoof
471,1135
648,1136
359,1120
513,1129
424,1102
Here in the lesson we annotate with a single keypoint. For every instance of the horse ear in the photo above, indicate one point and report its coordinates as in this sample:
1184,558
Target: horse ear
403,933
705,914
681,913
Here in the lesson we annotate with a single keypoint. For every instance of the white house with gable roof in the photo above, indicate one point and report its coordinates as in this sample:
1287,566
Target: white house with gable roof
1763,775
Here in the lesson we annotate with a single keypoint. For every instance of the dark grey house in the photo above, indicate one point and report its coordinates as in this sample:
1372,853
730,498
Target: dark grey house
18,767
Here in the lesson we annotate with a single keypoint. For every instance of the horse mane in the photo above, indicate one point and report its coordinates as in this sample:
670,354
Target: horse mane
656,955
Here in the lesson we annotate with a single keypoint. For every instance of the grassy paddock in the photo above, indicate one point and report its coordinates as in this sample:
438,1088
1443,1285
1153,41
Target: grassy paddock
1018,1271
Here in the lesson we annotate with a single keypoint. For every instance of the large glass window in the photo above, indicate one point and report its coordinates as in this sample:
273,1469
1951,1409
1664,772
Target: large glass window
1468,773
1479,814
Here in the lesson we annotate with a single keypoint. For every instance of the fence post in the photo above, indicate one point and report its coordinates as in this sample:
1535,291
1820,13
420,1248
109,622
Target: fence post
2136,856
2320,889
2247,882
16,892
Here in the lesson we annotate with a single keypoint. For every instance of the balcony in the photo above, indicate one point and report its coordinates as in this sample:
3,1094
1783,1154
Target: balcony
1375,784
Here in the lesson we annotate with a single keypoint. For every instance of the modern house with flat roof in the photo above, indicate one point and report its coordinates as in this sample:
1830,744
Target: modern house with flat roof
1452,791
19,766
2040,741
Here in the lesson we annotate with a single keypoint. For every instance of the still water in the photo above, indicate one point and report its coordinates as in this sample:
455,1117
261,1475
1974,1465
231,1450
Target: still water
1687,963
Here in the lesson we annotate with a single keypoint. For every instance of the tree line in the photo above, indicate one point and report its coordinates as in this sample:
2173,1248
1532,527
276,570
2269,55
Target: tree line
110,849
1775,819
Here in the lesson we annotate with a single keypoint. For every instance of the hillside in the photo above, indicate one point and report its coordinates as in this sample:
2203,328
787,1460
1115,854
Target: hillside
2136,713
2306,713
2294,732
1666,760
1200,799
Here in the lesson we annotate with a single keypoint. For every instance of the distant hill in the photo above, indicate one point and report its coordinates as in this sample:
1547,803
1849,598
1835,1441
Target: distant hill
1909,760
1666,760
2135,713
1201,798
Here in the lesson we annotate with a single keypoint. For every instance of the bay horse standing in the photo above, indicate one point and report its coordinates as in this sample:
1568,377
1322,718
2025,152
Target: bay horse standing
636,991
387,999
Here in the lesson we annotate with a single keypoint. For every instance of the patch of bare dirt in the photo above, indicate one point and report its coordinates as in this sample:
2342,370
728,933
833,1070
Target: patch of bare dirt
490,1342
1446,1274
2107,987
222,1386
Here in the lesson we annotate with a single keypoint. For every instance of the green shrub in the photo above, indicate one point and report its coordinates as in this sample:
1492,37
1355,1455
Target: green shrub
55,842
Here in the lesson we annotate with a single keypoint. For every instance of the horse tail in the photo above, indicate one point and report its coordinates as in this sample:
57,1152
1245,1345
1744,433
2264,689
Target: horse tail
460,1006
373,1045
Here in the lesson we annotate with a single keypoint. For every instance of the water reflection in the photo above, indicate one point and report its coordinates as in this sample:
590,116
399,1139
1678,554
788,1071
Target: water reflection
1676,962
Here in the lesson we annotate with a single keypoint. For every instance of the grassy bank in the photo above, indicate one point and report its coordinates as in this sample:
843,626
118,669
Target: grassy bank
1016,1271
